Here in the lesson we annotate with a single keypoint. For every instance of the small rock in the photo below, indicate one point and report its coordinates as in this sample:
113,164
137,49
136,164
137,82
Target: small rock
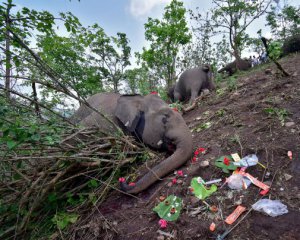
238,202
281,189
229,194
287,176
204,163
295,74
268,71
205,92
161,237
170,184
126,206
289,124
268,174
115,223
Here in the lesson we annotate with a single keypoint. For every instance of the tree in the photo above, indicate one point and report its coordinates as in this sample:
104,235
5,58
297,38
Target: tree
284,22
234,17
166,36
112,56
16,32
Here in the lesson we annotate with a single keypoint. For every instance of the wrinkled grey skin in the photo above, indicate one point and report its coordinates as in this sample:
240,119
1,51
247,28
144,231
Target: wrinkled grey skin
231,68
170,93
151,120
192,82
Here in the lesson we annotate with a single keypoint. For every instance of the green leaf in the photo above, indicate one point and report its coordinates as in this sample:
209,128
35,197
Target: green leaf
62,220
52,197
163,209
200,190
11,144
93,183
219,162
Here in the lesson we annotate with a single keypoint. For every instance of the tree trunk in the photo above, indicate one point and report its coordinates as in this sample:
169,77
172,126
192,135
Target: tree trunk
7,52
35,98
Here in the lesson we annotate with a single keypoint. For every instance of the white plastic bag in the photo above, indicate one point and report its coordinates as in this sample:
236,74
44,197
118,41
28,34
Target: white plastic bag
273,208
237,182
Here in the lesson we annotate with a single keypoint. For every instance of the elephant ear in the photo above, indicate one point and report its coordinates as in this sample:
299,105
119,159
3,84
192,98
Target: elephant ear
129,110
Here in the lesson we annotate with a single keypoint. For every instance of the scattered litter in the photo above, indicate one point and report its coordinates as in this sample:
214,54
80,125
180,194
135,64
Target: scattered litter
238,181
213,181
165,234
255,181
236,157
212,227
290,154
272,208
264,192
169,209
200,191
235,214
268,174
248,161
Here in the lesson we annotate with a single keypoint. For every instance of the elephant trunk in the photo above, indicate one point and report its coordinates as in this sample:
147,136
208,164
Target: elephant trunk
182,153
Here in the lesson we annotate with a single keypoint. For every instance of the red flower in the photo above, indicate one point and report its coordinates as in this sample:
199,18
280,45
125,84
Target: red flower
226,161
131,184
202,150
194,159
175,109
196,152
180,173
121,179
174,180
154,92
191,189
162,223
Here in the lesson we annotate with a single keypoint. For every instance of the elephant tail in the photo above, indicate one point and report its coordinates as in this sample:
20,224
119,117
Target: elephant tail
181,155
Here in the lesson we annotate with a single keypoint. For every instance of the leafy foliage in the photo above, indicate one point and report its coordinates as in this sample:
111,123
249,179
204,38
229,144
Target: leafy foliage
199,190
166,36
170,208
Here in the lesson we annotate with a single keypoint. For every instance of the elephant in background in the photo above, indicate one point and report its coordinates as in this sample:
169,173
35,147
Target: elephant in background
231,68
149,119
191,82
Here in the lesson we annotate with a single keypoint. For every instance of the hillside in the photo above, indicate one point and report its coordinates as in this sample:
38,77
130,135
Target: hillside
261,116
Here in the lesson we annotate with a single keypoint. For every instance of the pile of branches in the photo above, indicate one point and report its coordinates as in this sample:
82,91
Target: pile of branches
36,182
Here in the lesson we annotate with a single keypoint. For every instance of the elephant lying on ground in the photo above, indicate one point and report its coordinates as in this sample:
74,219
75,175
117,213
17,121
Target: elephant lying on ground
148,118
191,82
231,68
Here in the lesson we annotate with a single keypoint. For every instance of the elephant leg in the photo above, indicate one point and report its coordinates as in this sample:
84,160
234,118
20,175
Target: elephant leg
194,95
177,96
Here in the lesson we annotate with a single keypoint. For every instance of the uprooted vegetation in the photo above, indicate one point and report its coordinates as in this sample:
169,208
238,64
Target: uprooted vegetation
53,172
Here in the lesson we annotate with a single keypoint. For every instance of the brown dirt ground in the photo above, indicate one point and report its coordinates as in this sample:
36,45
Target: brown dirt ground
239,123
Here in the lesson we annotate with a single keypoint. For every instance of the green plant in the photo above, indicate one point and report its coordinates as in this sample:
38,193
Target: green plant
63,219
275,50
232,83
281,114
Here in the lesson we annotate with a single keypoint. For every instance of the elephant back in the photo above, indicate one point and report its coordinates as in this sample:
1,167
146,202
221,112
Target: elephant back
104,103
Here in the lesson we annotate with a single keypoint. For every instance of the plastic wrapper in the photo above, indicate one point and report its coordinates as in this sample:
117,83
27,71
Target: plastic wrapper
272,208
